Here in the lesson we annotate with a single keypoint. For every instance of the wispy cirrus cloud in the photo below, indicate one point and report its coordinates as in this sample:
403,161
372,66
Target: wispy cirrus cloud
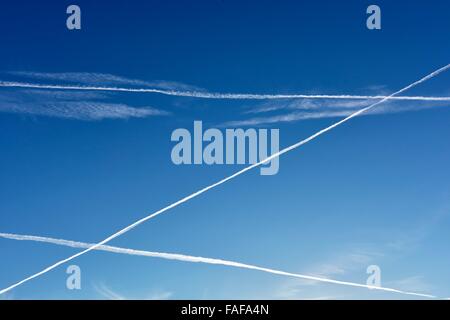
344,264
416,282
307,105
356,259
339,265
107,293
93,78
86,106
303,109
87,111
79,105
160,295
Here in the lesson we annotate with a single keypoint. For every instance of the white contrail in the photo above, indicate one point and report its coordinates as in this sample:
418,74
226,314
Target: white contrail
213,95
212,186
188,258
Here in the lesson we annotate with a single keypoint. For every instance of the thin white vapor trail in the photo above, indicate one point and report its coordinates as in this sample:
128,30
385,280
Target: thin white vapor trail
188,258
216,184
214,95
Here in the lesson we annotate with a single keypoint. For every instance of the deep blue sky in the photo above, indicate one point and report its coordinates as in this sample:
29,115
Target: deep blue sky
374,191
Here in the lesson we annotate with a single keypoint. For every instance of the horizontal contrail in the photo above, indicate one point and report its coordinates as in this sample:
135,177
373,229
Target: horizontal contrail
188,258
216,184
213,95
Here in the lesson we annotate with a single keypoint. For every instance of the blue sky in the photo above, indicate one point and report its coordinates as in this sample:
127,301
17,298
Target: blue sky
80,165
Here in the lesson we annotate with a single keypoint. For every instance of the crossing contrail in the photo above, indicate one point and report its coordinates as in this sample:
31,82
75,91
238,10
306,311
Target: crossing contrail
188,258
216,184
214,95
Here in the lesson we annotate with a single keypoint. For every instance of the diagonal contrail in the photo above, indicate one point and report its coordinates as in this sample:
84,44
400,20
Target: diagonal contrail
188,258
212,186
214,95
